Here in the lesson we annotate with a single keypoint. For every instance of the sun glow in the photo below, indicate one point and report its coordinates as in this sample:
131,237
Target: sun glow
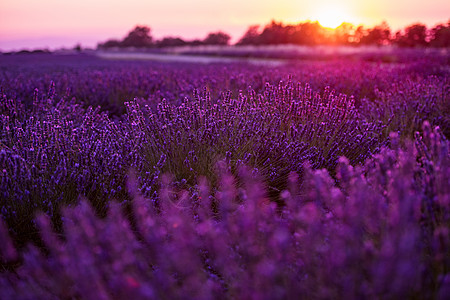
332,15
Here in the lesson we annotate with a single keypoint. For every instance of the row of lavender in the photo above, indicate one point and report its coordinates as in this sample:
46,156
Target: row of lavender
55,148
110,83
383,234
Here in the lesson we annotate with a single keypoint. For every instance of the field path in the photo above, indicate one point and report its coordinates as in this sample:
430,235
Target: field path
188,58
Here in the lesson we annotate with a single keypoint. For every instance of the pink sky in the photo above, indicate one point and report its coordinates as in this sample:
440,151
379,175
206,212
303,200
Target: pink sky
63,23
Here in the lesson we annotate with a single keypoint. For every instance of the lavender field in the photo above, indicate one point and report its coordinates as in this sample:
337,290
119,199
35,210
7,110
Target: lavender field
309,179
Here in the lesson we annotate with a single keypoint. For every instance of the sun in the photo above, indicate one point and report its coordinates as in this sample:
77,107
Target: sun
331,15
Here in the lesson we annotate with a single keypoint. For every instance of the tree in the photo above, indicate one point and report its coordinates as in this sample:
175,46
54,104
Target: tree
274,33
343,34
78,47
440,35
310,33
251,36
217,38
138,37
414,35
359,33
379,35
417,34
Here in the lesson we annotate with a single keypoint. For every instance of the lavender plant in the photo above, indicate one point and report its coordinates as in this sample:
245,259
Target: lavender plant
274,132
407,104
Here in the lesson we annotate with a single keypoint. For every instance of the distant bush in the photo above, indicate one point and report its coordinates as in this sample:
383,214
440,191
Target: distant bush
171,42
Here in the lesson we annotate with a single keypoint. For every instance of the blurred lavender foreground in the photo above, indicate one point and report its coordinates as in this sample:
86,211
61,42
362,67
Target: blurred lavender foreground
278,191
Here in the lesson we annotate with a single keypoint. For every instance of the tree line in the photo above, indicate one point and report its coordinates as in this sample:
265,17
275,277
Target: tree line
312,33
140,37
304,33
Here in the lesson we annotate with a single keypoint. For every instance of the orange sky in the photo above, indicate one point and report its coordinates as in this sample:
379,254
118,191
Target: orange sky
57,23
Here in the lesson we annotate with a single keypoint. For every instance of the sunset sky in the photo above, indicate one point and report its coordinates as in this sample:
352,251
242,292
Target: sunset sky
55,23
